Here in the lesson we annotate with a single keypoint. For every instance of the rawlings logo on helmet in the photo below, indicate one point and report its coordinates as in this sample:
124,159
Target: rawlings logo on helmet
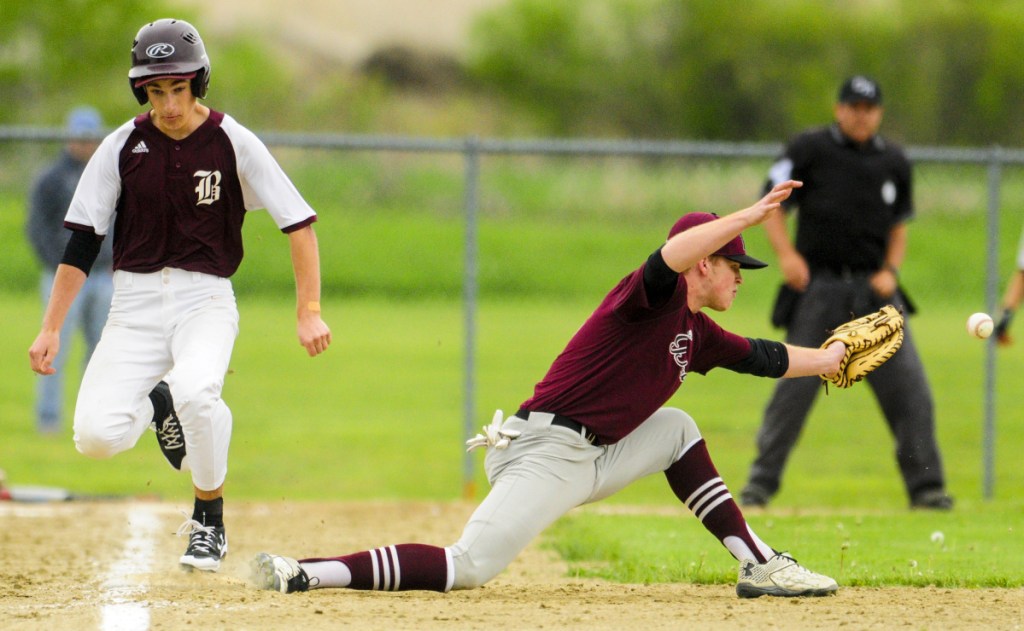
159,51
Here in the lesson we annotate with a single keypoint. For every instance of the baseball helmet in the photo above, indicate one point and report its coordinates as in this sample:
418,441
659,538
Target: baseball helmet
168,48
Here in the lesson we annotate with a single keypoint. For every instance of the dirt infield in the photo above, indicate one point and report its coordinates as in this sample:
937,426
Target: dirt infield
96,565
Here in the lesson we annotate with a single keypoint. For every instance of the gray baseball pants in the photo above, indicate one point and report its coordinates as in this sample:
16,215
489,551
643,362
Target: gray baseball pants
549,470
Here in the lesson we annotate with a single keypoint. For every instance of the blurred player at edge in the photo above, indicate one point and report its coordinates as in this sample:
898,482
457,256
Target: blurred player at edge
174,184
595,424
1013,295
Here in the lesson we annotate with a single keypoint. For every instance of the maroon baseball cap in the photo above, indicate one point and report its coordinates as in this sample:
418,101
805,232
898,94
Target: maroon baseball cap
733,250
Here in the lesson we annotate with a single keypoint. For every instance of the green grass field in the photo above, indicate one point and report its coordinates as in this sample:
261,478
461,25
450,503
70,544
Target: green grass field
380,415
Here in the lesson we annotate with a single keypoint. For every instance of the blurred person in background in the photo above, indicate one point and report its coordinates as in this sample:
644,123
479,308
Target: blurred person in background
1012,297
49,200
851,238
172,187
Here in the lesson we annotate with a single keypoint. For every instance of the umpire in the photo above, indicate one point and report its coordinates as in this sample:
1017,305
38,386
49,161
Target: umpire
851,237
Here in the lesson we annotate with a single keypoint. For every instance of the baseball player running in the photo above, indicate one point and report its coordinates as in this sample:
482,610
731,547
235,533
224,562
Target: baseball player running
595,423
174,185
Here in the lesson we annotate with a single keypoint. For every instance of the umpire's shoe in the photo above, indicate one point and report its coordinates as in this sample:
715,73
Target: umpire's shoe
932,499
168,428
278,573
781,575
207,545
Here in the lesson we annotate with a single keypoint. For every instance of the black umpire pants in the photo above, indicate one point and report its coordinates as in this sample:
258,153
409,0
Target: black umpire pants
899,385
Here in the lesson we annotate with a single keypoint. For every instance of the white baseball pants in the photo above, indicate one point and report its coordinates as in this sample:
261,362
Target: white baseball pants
173,325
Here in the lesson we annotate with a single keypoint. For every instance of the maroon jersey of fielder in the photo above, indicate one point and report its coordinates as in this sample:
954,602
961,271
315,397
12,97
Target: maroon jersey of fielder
181,203
629,358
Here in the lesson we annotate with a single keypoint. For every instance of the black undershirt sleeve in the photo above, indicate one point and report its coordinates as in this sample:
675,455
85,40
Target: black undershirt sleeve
767,359
82,250
659,279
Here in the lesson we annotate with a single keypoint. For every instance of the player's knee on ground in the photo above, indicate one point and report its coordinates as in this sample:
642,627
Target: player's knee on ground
470,573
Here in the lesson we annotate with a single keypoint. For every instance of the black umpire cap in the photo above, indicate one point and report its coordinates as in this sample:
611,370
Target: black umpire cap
860,89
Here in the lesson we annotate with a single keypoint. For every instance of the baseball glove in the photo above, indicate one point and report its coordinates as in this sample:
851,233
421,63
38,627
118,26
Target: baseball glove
870,341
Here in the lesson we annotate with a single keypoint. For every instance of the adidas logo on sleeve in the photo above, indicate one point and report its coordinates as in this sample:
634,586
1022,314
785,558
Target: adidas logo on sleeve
141,147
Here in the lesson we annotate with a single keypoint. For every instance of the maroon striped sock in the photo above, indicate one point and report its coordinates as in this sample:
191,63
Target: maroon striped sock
402,567
695,481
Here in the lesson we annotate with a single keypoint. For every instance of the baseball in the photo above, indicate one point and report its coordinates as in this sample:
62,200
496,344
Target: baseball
980,325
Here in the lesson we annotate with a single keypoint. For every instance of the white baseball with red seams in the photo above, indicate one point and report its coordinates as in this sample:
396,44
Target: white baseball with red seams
980,325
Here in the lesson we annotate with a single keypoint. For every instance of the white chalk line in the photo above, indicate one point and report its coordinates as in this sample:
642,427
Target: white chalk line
124,607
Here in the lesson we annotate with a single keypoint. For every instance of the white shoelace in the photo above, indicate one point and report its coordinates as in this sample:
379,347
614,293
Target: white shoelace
204,537
170,434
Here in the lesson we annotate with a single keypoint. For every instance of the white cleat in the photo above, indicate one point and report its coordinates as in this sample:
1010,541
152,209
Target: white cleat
781,575
278,573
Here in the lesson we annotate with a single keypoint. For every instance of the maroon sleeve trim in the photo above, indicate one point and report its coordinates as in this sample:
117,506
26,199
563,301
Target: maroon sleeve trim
80,227
299,226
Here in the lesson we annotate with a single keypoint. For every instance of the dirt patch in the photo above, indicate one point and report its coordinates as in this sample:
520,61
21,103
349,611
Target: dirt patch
114,565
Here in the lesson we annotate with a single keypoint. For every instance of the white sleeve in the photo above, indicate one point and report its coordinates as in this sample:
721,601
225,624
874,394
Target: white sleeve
264,183
99,187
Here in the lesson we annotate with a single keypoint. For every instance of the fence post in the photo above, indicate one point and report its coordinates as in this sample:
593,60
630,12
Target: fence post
469,295
991,297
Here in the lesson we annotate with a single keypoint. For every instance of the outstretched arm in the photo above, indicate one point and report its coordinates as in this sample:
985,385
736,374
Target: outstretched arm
807,362
684,250
314,334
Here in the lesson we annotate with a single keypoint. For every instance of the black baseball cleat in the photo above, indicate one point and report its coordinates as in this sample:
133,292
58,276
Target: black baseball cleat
932,499
168,428
753,496
207,545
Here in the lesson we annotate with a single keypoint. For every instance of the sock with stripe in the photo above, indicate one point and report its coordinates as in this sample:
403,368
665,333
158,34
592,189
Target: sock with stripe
402,567
695,481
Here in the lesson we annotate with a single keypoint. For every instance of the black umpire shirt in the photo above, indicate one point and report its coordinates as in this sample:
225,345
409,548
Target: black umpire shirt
852,197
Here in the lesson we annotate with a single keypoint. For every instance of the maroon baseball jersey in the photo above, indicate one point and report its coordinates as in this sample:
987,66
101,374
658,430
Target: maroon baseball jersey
628,359
181,203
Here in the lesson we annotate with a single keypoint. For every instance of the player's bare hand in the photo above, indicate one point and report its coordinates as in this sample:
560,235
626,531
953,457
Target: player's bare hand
314,334
781,192
43,351
773,200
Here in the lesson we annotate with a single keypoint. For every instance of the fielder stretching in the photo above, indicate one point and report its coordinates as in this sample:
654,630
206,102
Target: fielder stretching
174,184
595,424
